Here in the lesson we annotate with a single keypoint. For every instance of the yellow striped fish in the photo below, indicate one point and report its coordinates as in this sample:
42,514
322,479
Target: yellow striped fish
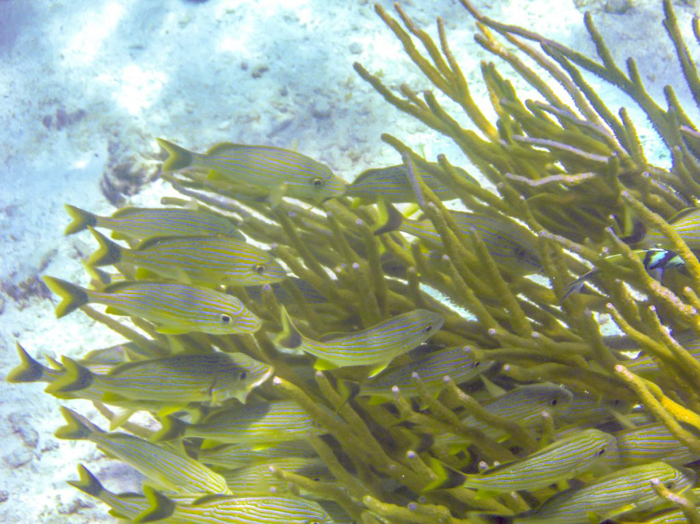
649,443
376,346
609,496
647,367
510,244
138,223
523,404
174,308
561,460
202,260
585,410
232,456
392,184
178,379
221,509
454,362
256,425
258,479
278,171
163,466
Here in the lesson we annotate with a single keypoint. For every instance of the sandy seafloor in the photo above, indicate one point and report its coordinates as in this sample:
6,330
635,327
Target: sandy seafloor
87,85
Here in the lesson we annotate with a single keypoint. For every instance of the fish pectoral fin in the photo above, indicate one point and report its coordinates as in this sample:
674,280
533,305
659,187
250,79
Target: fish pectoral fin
277,193
210,443
324,365
145,274
110,397
377,369
111,310
172,330
484,494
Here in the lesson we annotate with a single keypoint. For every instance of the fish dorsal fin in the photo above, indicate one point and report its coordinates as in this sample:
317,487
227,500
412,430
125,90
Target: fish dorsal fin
113,288
124,211
333,335
223,146
289,337
210,498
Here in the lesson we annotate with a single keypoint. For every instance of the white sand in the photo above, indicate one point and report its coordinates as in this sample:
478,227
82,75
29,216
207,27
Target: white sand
115,74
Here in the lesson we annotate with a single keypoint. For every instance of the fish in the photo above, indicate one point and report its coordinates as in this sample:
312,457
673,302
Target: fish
649,443
376,346
278,171
256,425
212,509
647,367
165,467
138,223
628,489
585,410
659,260
454,362
523,405
178,379
258,479
566,458
232,456
208,260
511,245
219,509
310,294
174,308
392,184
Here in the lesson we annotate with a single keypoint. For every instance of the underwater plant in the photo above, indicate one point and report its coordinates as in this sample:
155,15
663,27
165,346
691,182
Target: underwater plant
345,391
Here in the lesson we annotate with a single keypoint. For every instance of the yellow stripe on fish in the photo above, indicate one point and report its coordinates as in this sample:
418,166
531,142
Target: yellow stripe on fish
163,466
174,308
208,260
232,456
649,443
139,223
376,346
256,425
277,171
178,379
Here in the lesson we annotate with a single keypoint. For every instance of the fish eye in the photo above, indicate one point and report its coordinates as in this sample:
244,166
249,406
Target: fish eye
553,402
225,319
317,182
243,375
428,329
601,452
259,269
670,485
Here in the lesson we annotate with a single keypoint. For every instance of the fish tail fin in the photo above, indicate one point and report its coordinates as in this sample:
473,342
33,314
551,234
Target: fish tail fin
159,506
171,428
289,337
179,157
88,482
28,370
74,378
446,477
107,254
81,219
78,427
577,285
390,218
72,296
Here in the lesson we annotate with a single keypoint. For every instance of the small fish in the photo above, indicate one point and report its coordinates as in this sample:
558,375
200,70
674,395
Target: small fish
454,362
587,410
232,456
563,459
174,308
164,466
610,496
650,443
392,184
138,223
523,404
510,244
209,260
258,479
178,379
277,171
257,425
659,260
376,346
